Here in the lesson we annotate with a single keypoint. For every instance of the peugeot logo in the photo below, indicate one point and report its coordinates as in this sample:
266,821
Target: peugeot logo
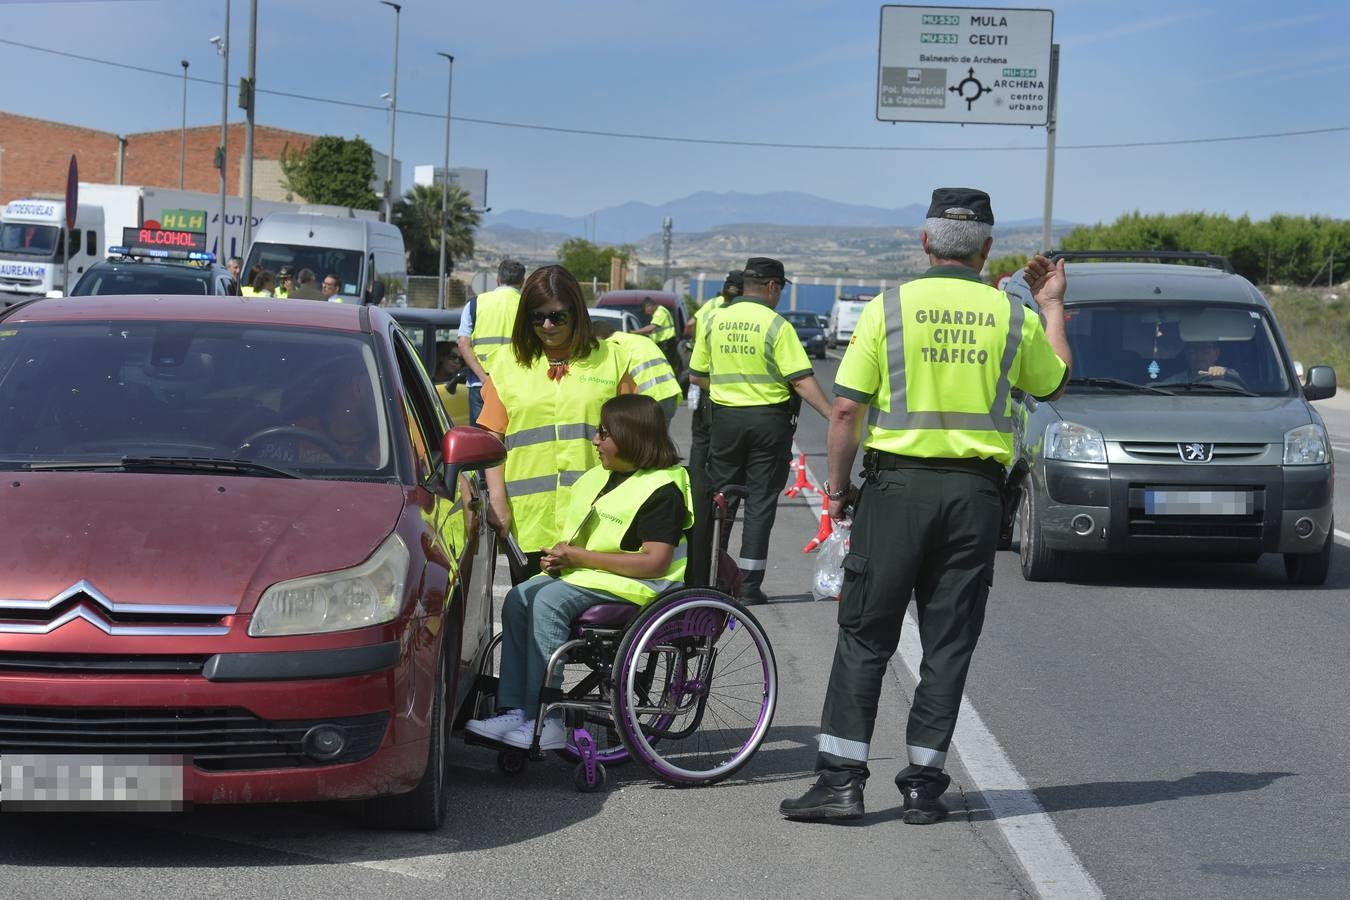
1196,452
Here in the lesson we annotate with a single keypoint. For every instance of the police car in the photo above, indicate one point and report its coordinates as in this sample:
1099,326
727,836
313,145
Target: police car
158,261
1185,430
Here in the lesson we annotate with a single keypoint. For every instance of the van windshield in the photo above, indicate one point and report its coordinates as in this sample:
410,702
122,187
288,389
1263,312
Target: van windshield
1180,347
322,261
29,239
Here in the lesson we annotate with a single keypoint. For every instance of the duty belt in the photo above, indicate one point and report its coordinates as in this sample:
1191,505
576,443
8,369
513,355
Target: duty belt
878,460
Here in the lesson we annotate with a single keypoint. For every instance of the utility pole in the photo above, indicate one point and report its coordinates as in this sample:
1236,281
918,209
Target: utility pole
182,130
393,116
1051,124
222,42
445,178
247,97
666,227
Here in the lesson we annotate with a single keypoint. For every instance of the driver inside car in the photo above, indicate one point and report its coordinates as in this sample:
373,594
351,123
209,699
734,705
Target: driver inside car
1202,358
332,419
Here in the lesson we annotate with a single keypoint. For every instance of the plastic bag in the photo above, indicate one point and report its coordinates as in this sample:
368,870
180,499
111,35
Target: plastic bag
829,579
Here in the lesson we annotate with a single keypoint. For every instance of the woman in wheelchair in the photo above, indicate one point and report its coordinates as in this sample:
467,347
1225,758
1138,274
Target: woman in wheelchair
626,522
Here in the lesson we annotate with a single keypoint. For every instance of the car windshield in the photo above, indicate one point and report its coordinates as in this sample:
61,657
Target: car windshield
29,239
136,278
1179,347
802,319
322,261
296,399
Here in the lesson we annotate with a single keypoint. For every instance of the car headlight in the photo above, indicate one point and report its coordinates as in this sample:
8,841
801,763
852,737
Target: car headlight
1072,442
368,594
1305,445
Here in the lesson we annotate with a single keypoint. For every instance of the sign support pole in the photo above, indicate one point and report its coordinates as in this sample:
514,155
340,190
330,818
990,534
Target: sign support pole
1051,124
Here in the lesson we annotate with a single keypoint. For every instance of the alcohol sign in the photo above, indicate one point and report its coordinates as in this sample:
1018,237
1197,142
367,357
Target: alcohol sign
967,65
145,238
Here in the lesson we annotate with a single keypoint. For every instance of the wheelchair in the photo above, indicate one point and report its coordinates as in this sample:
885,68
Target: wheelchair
687,684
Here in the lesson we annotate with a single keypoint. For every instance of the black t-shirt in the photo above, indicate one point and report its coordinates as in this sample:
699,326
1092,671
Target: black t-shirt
660,519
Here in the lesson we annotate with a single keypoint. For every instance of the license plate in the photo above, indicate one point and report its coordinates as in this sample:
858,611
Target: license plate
1199,503
73,782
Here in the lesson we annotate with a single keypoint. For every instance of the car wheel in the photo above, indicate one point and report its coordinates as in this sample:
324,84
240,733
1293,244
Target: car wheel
1310,568
1039,562
424,808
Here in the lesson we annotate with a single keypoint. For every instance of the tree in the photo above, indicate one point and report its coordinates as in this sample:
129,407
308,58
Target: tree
331,170
1003,265
417,213
587,261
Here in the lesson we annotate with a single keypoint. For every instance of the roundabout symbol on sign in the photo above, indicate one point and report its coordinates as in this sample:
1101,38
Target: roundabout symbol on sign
960,89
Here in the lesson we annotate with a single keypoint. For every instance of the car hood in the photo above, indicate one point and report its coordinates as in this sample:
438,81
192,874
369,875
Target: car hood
151,539
1152,417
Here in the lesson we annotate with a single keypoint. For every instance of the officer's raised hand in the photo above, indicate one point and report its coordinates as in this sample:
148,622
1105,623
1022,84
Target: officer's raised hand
1046,280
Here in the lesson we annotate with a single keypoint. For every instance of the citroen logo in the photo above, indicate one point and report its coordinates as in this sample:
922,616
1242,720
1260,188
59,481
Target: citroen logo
96,609
1196,452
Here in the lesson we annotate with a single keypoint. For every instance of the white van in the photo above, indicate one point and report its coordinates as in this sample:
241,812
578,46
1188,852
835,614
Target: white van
37,252
367,257
844,318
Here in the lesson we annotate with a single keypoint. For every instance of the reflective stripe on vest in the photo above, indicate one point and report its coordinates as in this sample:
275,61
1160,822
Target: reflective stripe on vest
647,366
494,321
548,436
601,522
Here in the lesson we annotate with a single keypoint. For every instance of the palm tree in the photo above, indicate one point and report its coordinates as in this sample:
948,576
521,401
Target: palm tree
417,215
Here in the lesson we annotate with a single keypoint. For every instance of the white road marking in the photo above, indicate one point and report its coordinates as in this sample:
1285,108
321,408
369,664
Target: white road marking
1049,861
1342,536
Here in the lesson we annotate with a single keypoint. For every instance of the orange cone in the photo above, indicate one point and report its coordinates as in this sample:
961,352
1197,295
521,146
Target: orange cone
826,529
801,482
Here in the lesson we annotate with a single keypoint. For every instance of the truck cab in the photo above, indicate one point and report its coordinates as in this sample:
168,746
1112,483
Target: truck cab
38,254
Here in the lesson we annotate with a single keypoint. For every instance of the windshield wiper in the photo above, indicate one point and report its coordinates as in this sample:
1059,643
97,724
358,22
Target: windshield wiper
1120,383
181,463
1226,387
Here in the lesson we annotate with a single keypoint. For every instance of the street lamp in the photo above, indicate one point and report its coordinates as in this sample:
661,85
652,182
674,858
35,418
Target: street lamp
393,115
182,131
445,178
222,44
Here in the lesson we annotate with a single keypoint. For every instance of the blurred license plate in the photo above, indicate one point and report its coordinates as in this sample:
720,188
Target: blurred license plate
36,781
1199,503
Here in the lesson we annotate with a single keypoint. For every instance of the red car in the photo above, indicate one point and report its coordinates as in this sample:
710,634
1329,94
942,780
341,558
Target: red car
244,561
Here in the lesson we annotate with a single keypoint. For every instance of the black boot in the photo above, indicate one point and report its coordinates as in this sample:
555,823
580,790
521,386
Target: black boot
827,801
920,808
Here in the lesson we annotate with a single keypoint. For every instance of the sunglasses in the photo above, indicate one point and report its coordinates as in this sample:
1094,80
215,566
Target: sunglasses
557,317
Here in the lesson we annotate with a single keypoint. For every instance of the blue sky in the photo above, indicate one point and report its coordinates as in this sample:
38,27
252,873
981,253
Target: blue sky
789,71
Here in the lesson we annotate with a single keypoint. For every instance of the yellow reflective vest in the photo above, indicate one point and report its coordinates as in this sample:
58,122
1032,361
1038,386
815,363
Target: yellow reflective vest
937,358
493,321
749,354
665,325
600,523
647,366
548,435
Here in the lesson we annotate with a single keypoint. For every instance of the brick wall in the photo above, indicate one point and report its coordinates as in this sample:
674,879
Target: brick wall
36,153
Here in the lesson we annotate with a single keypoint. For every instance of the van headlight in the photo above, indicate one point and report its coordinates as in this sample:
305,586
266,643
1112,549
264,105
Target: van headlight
1072,442
1305,445
368,594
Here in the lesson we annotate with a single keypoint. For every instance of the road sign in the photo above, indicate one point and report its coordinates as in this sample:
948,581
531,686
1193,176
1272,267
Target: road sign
967,65
72,192
471,181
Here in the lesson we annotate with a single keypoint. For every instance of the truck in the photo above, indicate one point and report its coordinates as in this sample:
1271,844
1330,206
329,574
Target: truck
38,254
844,317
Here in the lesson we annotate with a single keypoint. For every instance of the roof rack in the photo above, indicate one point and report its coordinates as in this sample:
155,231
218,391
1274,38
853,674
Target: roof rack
1212,260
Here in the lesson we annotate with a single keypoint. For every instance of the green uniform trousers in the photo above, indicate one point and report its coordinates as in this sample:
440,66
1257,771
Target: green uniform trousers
752,445
701,551
930,532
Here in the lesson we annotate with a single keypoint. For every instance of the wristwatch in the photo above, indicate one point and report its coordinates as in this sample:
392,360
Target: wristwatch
837,495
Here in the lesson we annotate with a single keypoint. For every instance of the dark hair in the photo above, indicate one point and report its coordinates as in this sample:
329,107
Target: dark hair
730,290
544,284
652,300
264,280
603,328
638,428
510,271
304,276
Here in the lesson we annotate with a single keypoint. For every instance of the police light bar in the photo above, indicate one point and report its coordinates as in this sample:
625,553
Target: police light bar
152,253
164,239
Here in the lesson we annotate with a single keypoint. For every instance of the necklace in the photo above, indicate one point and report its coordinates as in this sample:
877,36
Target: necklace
557,368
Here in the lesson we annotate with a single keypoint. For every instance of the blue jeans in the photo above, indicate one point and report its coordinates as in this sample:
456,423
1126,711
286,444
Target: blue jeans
475,402
536,620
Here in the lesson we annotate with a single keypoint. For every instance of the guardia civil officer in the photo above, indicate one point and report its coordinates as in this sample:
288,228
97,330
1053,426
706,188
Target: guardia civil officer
752,363
485,326
700,537
929,369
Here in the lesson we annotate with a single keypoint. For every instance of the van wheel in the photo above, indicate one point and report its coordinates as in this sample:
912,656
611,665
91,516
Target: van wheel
1039,562
1310,568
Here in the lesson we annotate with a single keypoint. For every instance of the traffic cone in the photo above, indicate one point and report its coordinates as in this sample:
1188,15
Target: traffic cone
826,529
801,482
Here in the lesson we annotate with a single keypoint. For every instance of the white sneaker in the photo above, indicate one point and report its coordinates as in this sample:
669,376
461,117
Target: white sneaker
497,727
553,737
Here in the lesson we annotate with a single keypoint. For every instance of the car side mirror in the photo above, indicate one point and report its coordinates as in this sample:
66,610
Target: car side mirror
466,448
1320,384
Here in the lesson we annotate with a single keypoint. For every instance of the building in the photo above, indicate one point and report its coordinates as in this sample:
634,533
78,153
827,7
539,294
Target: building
35,153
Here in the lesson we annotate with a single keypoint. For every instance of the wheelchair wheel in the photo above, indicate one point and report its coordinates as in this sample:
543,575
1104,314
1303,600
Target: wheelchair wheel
715,693
585,787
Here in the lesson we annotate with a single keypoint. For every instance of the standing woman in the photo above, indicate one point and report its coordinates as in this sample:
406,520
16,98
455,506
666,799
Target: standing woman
543,400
